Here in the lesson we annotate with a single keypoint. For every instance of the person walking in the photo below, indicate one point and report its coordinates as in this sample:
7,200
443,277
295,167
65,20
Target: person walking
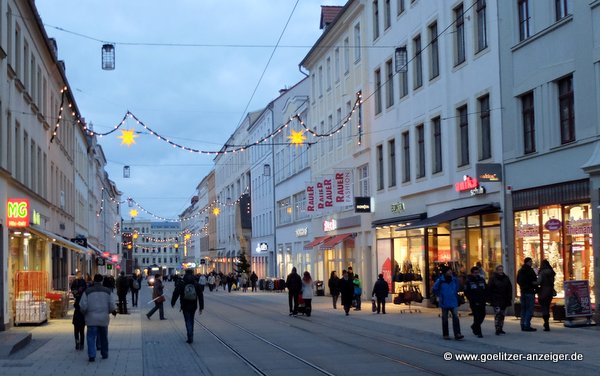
500,296
446,289
191,298
475,291
334,288
202,282
158,297
293,283
97,302
136,284
545,281
122,290
357,291
381,290
211,281
346,286
253,280
307,292
78,287
527,280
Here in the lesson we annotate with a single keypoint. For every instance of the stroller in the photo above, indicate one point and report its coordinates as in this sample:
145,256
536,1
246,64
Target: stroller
302,306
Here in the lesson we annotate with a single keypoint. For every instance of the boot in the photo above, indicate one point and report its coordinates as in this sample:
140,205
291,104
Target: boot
546,323
77,344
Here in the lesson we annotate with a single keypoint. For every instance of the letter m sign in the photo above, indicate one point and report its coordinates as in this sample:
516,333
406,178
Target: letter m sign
17,213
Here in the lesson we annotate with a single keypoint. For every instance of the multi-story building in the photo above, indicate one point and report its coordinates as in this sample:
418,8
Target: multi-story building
157,246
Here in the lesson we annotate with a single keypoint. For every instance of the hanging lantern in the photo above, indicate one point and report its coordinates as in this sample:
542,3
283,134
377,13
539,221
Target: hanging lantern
108,57
126,171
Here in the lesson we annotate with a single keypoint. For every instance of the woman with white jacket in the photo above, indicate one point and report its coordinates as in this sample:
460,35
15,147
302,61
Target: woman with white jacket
307,292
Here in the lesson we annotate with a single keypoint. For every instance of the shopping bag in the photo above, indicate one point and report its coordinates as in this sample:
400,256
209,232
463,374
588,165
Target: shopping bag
373,305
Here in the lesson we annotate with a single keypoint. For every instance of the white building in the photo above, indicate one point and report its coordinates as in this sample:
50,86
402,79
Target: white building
157,246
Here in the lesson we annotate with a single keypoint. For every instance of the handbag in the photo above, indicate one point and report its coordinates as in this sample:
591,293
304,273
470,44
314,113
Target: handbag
460,298
373,305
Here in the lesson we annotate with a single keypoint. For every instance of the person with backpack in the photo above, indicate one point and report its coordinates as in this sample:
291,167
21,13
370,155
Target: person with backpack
136,284
189,292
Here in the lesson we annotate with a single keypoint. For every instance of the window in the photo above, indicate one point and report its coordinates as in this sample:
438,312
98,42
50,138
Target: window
329,130
346,56
437,144
561,9
481,25
434,53
485,150
389,84
459,35
338,124
300,206
392,163
418,63
403,82
26,75
523,19
18,51
406,157
387,14
336,64
375,19
566,110
377,91
463,136
528,116
363,181
379,167
328,73
314,87
320,81
420,151
400,7
357,42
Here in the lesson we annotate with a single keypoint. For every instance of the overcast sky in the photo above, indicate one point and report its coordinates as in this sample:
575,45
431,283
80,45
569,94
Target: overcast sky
193,95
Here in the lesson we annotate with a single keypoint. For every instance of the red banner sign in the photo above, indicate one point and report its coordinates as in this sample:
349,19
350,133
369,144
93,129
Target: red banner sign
17,212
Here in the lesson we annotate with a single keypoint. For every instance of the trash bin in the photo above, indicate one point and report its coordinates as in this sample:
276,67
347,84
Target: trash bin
320,288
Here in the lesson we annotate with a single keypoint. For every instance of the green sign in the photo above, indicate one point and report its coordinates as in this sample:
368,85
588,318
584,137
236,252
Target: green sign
109,266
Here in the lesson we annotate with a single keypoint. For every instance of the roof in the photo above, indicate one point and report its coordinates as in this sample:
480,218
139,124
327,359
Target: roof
328,14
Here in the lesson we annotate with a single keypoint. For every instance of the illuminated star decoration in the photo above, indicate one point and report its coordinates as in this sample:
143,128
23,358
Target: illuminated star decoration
216,211
133,213
297,138
127,137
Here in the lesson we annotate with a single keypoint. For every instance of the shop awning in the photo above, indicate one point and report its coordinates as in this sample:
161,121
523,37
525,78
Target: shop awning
316,241
335,240
403,220
93,248
57,239
451,215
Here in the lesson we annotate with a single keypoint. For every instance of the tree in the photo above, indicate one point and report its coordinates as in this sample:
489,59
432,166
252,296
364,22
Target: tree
242,265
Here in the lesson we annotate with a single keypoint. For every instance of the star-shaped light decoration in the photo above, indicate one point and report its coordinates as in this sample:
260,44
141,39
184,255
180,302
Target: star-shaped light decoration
127,137
133,213
216,211
297,138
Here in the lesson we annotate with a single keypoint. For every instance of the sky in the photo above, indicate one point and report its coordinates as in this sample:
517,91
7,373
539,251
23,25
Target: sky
188,69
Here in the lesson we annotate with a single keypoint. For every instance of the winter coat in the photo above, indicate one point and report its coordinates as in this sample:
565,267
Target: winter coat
546,282
293,282
307,289
122,285
380,289
476,290
346,290
96,304
357,286
500,291
158,288
446,292
334,286
78,287
527,279
179,292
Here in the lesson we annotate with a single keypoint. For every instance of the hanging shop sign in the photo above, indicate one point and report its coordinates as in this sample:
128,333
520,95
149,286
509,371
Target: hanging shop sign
100,261
489,172
80,241
330,225
36,217
343,188
553,224
262,247
114,258
329,191
466,184
577,298
17,212
362,205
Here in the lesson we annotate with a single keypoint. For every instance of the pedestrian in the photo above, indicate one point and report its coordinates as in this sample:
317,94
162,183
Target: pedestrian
527,280
357,291
350,273
244,281
293,283
545,281
201,281
191,297
381,290
475,291
211,281
78,287
136,284
122,290
346,291
480,270
158,298
253,280
307,292
334,288
446,289
97,302
500,296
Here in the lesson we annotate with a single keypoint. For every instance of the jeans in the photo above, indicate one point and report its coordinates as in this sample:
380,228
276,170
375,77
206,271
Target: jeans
159,307
188,317
293,298
499,317
527,302
455,321
123,304
478,310
380,305
102,333
134,297
357,298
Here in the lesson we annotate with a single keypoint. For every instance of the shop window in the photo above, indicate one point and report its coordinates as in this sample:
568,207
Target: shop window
491,219
578,243
473,221
527,237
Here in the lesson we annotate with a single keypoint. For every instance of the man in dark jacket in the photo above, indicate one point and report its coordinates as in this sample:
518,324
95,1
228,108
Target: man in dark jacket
527,280
122,290
475,290
191,298
380,291
500,296
347,291
96,304
294,286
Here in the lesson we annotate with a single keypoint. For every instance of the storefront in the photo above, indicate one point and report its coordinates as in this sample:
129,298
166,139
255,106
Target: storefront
410,250
555,223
